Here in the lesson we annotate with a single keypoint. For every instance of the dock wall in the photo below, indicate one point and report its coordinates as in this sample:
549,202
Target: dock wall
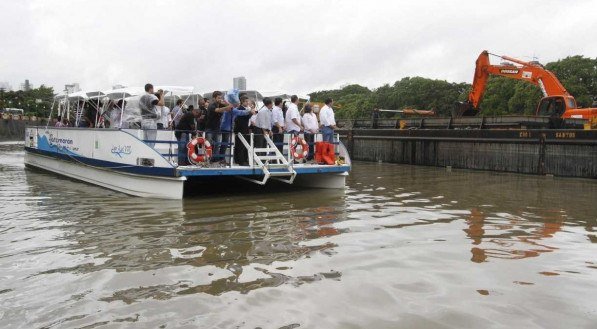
569,153
14,130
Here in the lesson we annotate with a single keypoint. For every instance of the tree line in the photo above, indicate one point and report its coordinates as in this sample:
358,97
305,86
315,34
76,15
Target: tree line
36,101
503,96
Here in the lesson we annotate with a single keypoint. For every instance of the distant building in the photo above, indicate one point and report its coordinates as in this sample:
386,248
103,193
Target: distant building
26,86
5,86
118,86
72,88
240,83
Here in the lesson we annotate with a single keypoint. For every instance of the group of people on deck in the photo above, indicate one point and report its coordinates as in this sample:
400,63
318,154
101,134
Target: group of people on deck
222,120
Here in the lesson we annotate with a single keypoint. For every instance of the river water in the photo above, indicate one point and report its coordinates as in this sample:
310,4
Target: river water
401,246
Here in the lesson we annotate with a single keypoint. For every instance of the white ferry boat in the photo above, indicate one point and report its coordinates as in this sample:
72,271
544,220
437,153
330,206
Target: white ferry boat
121,157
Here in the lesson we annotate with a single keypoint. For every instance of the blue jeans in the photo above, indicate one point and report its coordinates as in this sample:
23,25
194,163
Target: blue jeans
182,149
225,140
328,134
310,139
215,138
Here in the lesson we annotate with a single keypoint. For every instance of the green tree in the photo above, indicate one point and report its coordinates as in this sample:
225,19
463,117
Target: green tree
502,95
579,76
33,102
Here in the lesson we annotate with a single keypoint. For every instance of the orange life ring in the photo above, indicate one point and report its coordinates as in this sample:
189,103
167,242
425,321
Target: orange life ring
202,144
294,143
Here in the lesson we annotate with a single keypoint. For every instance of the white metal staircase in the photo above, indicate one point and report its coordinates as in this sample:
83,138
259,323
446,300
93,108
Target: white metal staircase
271,161
78,115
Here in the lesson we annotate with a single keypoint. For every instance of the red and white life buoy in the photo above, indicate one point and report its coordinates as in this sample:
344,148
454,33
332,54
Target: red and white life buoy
204,147
298,143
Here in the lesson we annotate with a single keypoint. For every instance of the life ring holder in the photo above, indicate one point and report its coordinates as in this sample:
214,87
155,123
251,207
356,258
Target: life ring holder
294,143
200,143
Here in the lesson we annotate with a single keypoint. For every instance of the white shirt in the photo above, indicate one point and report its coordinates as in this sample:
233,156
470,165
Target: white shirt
310,122
264,119
177,113
253,120
277,116
326,116
292,113
165,120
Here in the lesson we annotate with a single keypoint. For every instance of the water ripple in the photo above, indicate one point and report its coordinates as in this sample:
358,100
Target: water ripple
401,246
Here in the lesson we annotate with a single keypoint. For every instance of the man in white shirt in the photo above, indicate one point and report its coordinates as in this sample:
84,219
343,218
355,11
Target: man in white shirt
278,124
327,121
293,117
177,113
263,123
165,119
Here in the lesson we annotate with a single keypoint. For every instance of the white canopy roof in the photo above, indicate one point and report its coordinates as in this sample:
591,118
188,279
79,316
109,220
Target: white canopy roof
124,92
137,91
175,90
283,95
79,95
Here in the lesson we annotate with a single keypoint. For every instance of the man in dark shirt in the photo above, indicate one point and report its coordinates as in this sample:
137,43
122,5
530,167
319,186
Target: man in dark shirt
241,125
202,114
212,123
186,126
89,115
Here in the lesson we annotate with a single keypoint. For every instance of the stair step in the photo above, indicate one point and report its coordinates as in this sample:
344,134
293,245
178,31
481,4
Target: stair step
276,166
266,149
280,173
270,157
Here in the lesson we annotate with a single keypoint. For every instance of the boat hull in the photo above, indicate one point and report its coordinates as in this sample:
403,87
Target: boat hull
132,184
328,180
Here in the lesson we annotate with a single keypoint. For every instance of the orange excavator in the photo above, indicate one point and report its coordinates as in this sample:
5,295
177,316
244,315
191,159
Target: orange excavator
556,101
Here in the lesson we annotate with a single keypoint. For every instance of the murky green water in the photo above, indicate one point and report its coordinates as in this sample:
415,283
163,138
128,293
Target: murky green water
401,247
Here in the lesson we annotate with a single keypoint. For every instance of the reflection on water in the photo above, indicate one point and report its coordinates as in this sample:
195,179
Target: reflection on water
511,236
402,246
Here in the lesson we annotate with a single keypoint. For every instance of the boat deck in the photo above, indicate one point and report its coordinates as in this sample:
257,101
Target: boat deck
189,171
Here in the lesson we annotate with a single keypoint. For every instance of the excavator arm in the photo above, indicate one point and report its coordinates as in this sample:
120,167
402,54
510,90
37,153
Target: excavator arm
531,72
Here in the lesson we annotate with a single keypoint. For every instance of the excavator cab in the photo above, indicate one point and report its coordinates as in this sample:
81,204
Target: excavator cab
553,106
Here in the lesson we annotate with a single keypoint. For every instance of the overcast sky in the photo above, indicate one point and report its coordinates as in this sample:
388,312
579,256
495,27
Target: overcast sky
295,46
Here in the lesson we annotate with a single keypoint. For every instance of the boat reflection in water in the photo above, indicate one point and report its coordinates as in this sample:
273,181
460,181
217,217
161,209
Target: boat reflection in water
512,237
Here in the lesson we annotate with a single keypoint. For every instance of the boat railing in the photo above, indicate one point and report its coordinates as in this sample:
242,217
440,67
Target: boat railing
172,144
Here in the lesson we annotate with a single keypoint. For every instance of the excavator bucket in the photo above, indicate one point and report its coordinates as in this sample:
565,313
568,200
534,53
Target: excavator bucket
463,109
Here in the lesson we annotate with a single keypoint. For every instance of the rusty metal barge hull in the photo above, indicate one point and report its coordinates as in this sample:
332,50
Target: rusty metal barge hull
558,152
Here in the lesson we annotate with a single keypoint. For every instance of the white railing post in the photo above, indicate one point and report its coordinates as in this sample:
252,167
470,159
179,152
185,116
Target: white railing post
288,155
251,152
232,145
